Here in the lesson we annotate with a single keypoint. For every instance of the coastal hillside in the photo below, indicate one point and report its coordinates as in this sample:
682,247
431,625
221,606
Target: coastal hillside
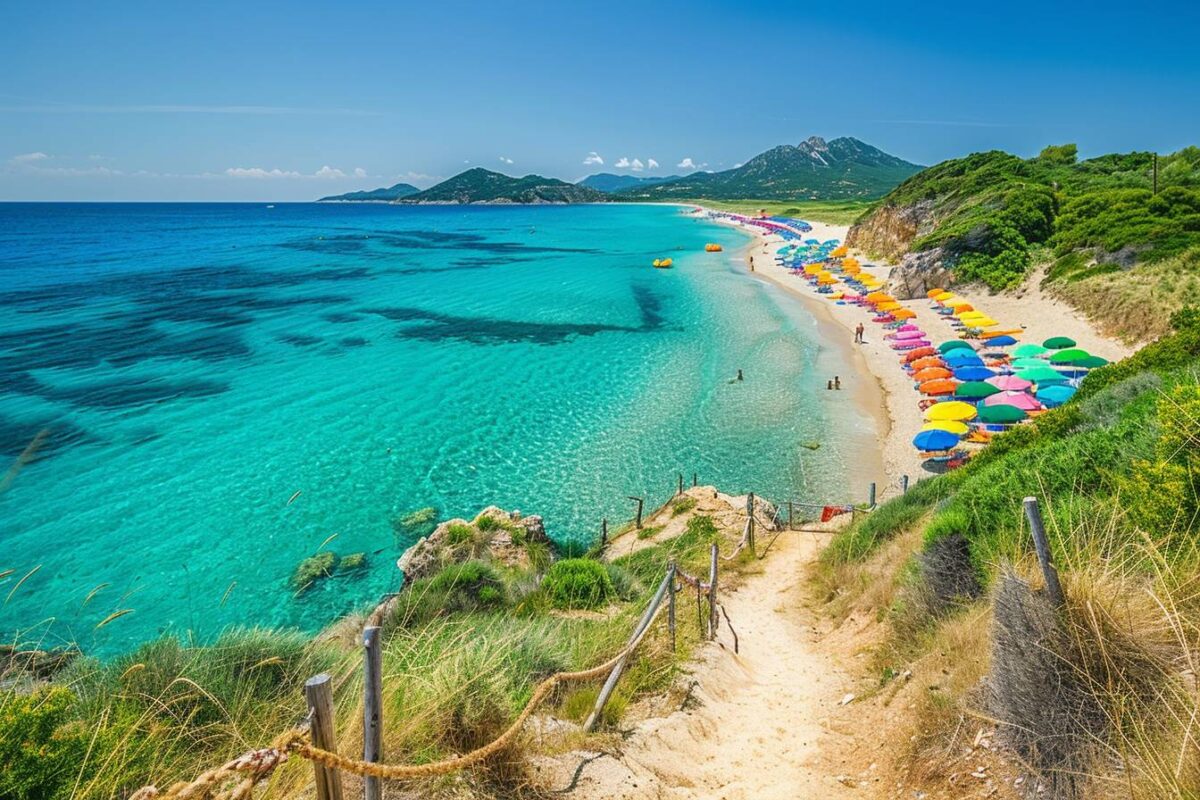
385,194
1117,235
479,185
843,168
611,182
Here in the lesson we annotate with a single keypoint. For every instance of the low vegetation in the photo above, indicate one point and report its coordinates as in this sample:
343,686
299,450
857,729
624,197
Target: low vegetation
1099,697
463,649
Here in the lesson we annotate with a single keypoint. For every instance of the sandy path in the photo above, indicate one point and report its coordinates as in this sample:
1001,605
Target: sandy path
758,727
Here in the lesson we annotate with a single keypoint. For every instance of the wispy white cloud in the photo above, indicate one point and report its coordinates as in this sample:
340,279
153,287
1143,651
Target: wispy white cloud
622,163
359,172
651,163
421,177
28,158
636,165
593,159
688,163
505,160
329,172
324,173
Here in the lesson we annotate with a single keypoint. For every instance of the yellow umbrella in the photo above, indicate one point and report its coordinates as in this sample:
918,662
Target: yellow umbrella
934,293
953,411
943,296
887,306
956,302
947,425
981,322
839,251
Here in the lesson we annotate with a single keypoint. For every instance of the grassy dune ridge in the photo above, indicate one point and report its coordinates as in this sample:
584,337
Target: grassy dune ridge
1100,698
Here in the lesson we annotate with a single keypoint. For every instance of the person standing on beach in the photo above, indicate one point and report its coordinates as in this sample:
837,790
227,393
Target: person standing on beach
752,263
858,333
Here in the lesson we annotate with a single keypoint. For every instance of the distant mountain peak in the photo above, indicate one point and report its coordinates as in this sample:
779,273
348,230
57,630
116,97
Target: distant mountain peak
481,185
386,194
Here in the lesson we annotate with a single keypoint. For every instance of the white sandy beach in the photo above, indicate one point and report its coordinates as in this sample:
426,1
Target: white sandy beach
1040,315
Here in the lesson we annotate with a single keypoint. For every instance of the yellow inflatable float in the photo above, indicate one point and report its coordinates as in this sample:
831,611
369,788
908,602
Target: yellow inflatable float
662,263
712,248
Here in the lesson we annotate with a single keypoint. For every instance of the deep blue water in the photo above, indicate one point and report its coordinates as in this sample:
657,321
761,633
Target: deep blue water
195,367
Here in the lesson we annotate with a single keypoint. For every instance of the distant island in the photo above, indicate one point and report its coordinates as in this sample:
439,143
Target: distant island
840,169
388,194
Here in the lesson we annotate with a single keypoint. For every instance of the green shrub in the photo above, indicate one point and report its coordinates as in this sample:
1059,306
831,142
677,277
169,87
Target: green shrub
682,505
460,533
470,586
625,584
703,528
313,569
41,750
650,531
354,562
578,583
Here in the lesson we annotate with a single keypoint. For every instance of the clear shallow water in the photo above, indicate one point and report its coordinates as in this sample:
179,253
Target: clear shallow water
197,366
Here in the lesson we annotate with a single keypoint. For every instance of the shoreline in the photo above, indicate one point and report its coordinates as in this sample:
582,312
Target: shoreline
891,392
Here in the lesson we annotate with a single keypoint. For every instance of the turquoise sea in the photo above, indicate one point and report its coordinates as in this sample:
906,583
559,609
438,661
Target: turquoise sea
225,387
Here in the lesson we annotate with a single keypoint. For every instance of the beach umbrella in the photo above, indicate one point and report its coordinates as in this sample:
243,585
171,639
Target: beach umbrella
962,358
1029,351
963,309
1001,341
1040,374
974,390
1010,383
903,313
934,440
1069,356
931,374
920,352
943,296
981,322
954,410
912,334
1022,400
1052,396
947,425
927,361
1002,414
973,373
937,387
956,302
1003,332
1091,362
954,344
1028,363
1058,343
932,293
909,327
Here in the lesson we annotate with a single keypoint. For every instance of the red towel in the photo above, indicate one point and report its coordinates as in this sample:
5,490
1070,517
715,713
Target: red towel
829,512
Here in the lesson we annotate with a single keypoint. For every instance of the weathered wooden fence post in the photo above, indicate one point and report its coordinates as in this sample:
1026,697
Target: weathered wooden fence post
671,603
750,521
681,483
604,532
372,708
615,675
318,691
871,495
695,478
1042,545
640,501
713,621
790,514
903,484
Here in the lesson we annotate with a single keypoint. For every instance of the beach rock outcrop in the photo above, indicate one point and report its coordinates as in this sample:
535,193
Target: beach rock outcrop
919,272
494,534
889,231
38,665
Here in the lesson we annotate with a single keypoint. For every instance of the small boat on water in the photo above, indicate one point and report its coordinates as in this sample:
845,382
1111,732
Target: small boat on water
662,263
712,248
270,206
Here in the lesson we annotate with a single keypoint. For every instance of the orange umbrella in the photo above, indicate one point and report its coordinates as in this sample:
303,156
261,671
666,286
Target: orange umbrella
927,361
931,374
940,386
994,334
889,306
934,292
919,352
958,312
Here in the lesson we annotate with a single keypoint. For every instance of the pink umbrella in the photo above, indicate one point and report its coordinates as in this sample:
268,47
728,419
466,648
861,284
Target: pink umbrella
1010,383
910,344
907,335
908,327
1023,401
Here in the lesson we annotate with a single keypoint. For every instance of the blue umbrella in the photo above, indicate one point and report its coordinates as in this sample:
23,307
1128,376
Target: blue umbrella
962,358
934,440
1000,341
1055,394
974,373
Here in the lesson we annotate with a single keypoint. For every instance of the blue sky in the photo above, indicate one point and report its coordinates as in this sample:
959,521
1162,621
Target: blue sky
289,101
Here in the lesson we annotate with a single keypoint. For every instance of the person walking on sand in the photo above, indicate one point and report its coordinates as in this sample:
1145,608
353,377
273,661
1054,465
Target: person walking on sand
752,263
858,333
837,382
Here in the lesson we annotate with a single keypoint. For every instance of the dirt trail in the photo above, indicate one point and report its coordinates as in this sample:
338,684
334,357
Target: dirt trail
758,725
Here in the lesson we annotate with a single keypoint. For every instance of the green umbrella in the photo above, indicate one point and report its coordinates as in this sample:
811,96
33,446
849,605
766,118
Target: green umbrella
1091,362
973,390
953,344
1069,356
1026,363
1001,413
1058,343
1040,374
1028,350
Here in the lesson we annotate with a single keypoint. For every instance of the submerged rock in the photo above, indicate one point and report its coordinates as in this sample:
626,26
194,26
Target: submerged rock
313,569
494,534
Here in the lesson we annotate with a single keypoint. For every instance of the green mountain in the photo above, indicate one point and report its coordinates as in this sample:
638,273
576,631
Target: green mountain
815,169
609,182
381,195
1106,229
481,185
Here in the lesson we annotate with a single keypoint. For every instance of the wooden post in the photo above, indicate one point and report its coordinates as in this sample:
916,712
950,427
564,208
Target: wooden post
681,483
604,533
789,515
640,501
615,675
671,603
750,522
694,480
372,708
318,691
1042,545
713,621
904,484
871,495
